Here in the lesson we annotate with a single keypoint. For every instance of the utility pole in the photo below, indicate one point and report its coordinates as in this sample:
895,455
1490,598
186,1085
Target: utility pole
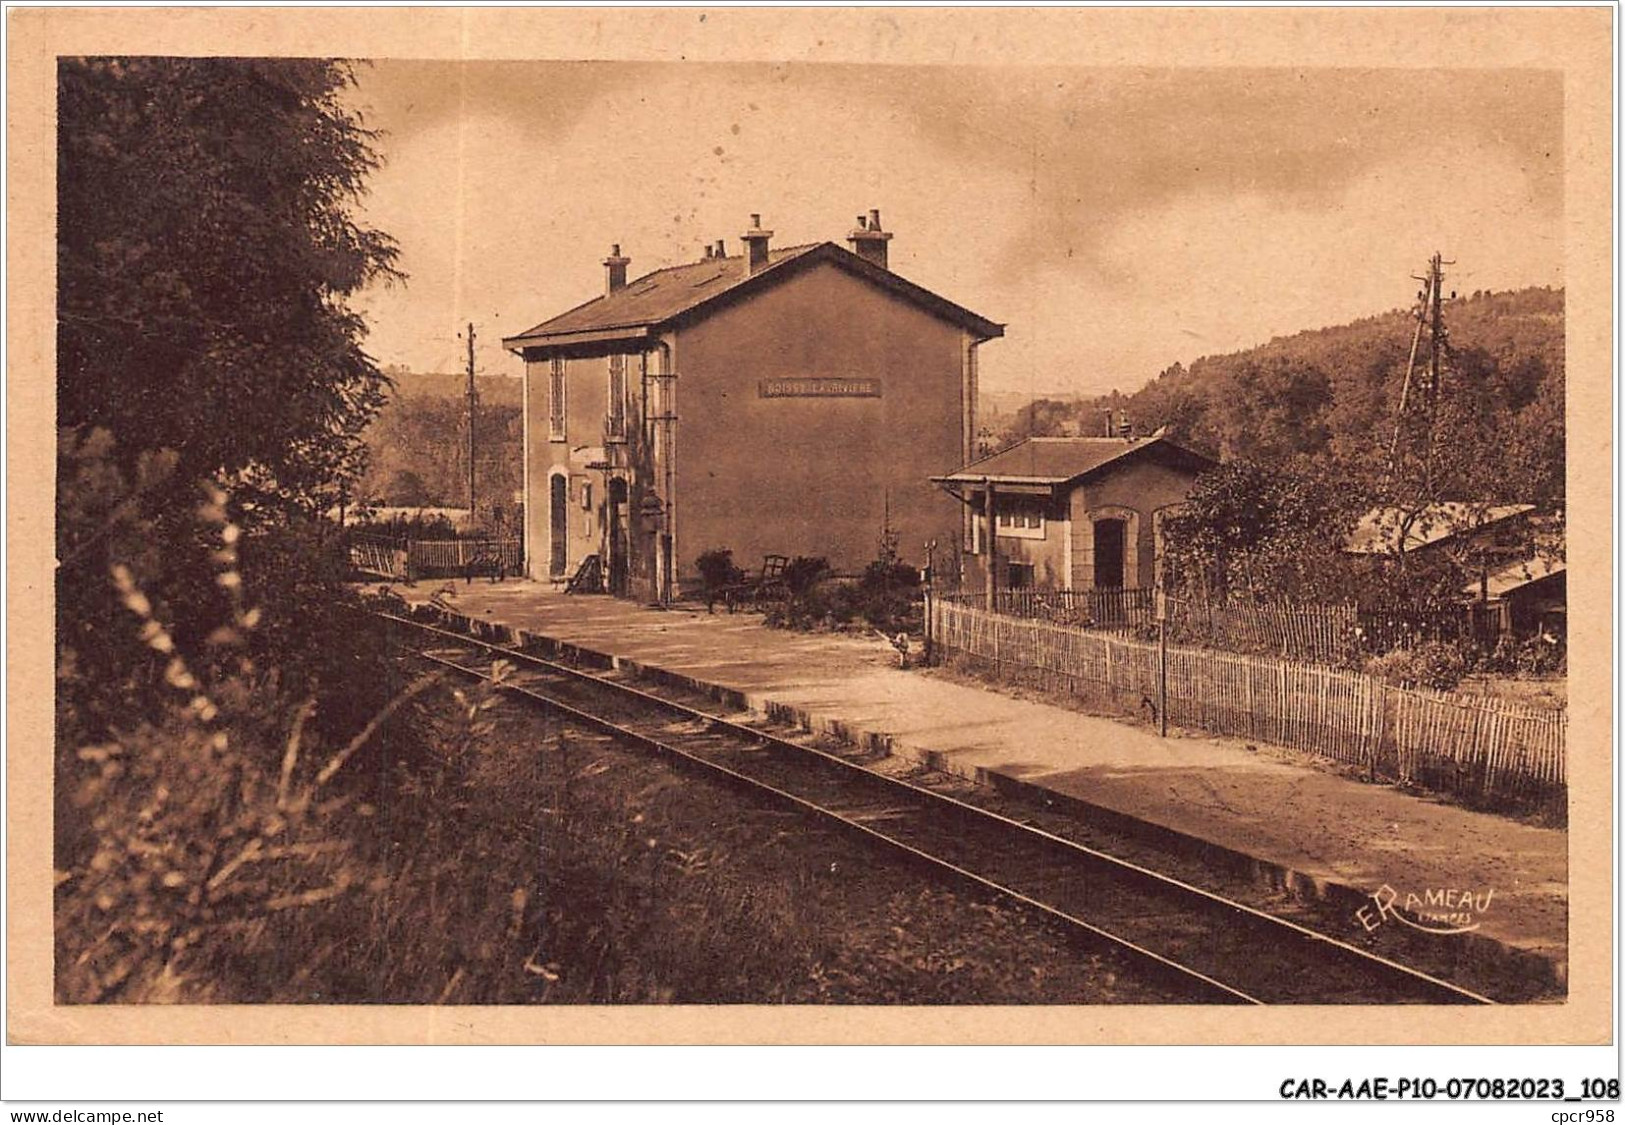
471,405
1436,345
1436,272
1429,317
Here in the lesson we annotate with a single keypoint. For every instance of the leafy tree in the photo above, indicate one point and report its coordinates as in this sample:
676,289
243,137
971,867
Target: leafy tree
1170,402
1276,408
407,490
1462,451
1254,532
1320,409
204,254
425,438
205,251
1044,417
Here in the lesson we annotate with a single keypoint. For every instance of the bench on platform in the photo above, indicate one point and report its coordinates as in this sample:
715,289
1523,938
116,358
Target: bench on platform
767,585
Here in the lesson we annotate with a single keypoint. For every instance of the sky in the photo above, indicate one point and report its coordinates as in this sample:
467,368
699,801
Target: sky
1114,220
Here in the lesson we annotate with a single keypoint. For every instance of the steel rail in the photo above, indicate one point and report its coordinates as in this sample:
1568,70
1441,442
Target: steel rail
1445,990
757,785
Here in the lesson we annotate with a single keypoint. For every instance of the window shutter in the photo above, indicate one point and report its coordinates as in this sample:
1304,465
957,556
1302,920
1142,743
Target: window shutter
555,402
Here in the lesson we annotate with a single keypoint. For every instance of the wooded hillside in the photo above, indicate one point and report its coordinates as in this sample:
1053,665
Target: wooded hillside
494,390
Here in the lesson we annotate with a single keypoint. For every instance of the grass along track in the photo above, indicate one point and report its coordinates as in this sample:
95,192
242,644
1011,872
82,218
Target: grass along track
1208,947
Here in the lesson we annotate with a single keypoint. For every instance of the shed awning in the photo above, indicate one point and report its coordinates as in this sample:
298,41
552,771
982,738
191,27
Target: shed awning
1516,576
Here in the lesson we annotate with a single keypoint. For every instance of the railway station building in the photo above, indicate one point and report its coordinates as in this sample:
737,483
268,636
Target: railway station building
778,400
1072,513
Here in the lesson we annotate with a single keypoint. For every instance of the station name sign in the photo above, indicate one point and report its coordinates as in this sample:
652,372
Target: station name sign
819,388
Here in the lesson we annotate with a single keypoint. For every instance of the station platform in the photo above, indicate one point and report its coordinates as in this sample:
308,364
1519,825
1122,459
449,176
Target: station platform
1309,828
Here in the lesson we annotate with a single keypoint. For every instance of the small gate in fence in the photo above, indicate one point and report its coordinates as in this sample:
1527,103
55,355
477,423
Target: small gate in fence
378,559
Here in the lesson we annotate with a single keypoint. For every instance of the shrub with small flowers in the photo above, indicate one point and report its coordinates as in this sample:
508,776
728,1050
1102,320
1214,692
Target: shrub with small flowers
209,791
1431,664
224,852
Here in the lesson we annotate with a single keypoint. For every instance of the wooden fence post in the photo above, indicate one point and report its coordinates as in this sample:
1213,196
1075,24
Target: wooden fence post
1162,676
1252,723
929,623
991,554
1379,726
1281,712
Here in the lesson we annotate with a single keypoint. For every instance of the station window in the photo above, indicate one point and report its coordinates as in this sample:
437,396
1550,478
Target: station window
1029,520
555,402
1019,575
1022,523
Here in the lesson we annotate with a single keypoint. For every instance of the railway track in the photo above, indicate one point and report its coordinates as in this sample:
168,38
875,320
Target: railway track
1209,947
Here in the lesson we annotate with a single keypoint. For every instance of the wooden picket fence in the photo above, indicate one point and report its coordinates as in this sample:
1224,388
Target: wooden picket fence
1387,627
1325,634
450,557
1328,634
1118,610
1474,746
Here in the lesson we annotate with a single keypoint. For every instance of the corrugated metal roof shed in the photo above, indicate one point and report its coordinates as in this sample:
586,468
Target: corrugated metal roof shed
1377,533
1517,575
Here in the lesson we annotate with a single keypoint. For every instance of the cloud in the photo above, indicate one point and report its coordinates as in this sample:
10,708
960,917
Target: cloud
1099,144
1116,219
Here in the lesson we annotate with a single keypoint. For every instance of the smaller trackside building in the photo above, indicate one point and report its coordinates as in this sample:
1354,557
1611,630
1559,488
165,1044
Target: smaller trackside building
1073,513
789,401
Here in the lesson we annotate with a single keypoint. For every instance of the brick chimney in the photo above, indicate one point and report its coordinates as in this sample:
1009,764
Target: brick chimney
615,270
756,240
868,241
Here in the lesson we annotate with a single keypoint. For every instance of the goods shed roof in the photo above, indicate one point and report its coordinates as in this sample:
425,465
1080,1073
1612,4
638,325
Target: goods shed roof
1377,533
1517,575
1052,461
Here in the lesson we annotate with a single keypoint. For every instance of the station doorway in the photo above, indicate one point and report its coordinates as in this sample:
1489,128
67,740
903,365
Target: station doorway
558,516
1111,538
615,535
